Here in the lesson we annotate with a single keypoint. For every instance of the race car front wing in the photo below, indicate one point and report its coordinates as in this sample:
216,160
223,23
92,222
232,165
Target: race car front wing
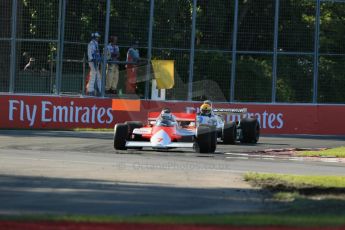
132,144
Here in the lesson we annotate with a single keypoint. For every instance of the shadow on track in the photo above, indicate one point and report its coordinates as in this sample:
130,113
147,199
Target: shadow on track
58,134
42,195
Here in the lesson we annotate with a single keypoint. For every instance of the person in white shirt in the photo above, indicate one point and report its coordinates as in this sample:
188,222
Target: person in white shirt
94,58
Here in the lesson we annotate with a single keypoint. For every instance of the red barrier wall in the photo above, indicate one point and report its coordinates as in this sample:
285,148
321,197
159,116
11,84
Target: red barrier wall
55,112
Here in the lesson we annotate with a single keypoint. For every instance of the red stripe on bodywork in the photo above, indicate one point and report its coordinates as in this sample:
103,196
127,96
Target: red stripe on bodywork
179,116
171,131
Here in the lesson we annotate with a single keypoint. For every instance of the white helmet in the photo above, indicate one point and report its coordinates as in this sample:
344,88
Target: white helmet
166,114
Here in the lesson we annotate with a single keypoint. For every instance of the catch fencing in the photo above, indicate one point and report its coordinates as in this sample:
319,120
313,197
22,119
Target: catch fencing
269,51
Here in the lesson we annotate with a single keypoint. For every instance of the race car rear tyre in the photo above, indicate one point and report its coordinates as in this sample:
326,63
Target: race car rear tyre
229,133
120,136
250,130
203,139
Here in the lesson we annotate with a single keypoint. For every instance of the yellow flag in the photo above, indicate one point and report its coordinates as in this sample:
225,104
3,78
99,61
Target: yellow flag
164,73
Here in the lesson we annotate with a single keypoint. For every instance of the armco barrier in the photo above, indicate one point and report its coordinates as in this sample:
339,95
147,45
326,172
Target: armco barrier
59,112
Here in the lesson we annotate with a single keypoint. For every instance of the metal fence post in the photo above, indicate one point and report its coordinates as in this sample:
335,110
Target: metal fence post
149,50
275,52
316,51
192,50
13,46
84,75
106,37
234,50
61,35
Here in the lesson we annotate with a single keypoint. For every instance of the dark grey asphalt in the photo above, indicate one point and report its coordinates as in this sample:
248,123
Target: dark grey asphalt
52,172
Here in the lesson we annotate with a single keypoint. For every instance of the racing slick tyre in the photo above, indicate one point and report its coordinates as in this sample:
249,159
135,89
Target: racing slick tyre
120,136
134,124
203,139
229,133
250,130
131,126
213,136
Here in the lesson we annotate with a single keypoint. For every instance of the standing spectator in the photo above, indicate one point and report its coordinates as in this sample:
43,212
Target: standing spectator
26,59
30,65
94,58
132,57
113,54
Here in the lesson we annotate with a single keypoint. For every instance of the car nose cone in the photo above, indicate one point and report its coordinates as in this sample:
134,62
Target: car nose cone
160,139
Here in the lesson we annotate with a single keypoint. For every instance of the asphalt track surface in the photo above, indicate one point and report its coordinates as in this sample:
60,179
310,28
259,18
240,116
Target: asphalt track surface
60,172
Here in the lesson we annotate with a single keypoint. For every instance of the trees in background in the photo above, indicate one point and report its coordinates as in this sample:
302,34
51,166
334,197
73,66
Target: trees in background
214,33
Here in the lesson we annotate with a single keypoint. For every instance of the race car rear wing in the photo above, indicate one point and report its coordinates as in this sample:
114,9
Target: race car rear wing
152,116
222,111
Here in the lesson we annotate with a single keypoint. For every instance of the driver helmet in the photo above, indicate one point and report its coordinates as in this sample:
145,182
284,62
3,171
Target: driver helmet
166,114
208,102
205,109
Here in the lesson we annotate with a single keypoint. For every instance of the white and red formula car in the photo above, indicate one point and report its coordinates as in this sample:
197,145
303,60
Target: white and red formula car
158,134
245,130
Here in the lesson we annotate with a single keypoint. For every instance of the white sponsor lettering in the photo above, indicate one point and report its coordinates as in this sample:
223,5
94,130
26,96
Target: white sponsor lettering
280,121
19,110
85,118
60,113
12,107
45,110
31,116
142,131
100,114
26,113
110,116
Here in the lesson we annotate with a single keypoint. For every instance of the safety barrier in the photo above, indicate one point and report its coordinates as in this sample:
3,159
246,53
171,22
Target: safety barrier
63,113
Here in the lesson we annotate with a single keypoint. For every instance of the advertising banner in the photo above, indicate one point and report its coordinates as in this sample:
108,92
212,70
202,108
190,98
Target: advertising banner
59,112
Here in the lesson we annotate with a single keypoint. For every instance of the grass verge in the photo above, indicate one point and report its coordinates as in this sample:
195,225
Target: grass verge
328,190
334,152
294,182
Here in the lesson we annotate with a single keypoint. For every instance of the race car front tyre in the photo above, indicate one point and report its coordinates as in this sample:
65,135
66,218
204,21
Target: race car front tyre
229,133
250,130
203,142
213,136
133,125
120,136
135,137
